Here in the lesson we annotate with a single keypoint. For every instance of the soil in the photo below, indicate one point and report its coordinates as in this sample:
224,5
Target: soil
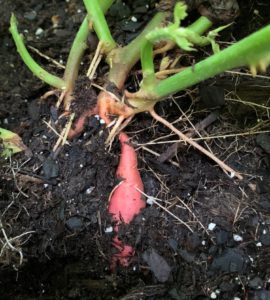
208,235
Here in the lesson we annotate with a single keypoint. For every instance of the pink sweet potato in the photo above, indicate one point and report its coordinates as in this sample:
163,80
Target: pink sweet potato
126,200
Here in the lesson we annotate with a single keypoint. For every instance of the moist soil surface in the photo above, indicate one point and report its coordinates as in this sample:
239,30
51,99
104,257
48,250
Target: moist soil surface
204,234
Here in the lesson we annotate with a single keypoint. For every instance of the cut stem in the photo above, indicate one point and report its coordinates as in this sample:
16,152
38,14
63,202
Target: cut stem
36,69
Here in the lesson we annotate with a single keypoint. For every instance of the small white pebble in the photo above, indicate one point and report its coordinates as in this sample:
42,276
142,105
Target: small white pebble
79,10
203,243
237,238
259,244
81,165
133,19
6,121
217,292
108,229
101,121
45,185
66,155
213,295
236,298
211,226
150,200
39,31
251,259
134,268
147,6
90,190
264,231
44,137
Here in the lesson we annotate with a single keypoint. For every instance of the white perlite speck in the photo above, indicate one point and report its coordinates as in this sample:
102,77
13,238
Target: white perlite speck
211,226
39,31
108,229
237,238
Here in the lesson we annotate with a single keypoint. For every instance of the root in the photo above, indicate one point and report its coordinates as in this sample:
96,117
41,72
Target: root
114,131
228,170
95,62
168,46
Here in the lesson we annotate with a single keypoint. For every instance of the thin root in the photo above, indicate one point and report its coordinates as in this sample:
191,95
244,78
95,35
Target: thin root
95,62
228,170
114,131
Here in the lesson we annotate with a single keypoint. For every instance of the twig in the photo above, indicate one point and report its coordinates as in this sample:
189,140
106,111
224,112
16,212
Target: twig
222,165
172,150
155,200
55,62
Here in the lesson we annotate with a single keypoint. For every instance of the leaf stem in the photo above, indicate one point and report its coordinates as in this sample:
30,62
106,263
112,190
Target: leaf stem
37,70
251,51
96,15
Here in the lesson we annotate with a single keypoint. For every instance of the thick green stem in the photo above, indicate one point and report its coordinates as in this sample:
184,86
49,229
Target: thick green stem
123,59
29,61
147,63
201,25
252,51
78,47
75,55
94,10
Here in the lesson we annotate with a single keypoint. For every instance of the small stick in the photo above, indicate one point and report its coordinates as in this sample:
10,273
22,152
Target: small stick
59,65
154,200
171,151
222,165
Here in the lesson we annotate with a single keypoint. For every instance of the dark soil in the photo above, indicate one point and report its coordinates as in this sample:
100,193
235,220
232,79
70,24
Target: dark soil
209,234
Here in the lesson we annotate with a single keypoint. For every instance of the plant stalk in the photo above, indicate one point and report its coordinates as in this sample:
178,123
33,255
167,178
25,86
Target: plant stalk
96,15
123,59
35,68
78,47
251,51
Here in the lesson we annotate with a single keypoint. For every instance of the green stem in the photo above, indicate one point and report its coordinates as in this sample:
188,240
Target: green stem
78,47
123,59
147,57
201,25
50,79
75,55
251,51
148,68
94,10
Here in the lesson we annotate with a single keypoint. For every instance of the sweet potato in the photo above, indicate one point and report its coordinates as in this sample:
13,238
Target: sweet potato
126,200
